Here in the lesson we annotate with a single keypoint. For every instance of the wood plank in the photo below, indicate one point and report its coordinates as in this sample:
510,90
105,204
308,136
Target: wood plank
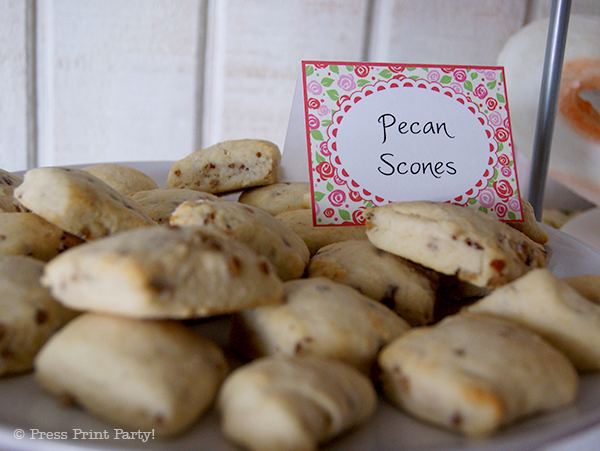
443,32
13,89
117,79
541,8
256,48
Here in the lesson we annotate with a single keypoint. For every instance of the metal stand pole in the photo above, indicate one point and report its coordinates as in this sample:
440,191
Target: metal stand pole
555,49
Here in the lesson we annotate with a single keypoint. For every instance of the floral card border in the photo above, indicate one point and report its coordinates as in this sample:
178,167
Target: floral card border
329,87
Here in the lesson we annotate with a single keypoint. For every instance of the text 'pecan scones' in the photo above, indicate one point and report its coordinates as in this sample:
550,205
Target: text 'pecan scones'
227,166
475,373
79,203
163,272
146,375
298,403
454,240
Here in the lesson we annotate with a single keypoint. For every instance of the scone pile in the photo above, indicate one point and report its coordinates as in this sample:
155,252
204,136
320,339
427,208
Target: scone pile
441,310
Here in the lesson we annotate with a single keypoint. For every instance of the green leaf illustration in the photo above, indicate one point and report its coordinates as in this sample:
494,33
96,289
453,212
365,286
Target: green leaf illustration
491,84
361,82
316,134
309,70
411,68
500,147
319,196
327,81
320,158
468,85
326,122
344,214
485,210
472,201
474,75
333,94
333,68
501,98
329,187
446,79
385,73
511,215
369,204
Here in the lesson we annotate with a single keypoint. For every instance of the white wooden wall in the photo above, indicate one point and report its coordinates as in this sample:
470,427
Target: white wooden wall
87,81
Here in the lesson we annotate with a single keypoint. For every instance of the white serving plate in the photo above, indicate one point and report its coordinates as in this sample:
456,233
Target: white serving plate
24,407
585,227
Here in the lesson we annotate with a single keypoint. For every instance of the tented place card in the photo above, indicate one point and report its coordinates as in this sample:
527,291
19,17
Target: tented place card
379,133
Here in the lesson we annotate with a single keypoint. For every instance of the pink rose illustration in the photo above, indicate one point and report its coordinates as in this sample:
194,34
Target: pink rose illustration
506,171
325,169
487,198
338,180
490,75
503,189
336,197
357,216
503,160
314,87
354,196
396,68
514,204
460,75
346,82
481,91
313,103
323,110
457,88
361,70
433,75
501,134
324,149
491,103
329,212
313,122
501,210
495,118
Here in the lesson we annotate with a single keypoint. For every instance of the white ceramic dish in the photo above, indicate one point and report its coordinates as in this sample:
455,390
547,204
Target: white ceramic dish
585,227
26,409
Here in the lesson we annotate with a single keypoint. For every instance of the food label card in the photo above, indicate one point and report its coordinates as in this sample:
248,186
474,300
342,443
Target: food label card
380,133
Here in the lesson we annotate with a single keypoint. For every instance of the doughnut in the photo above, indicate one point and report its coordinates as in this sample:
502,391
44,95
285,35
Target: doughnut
575,148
